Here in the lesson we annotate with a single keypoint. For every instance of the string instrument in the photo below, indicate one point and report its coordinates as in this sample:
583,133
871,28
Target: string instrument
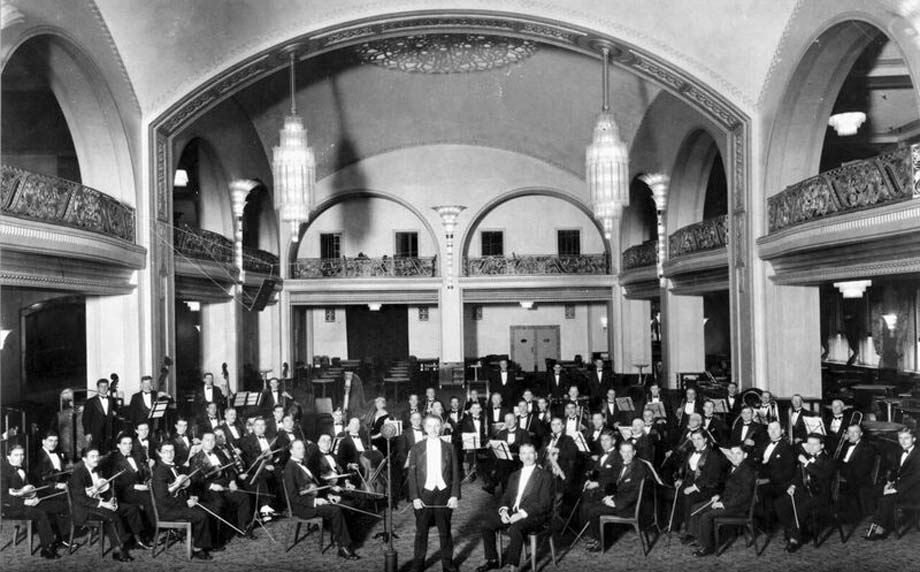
182,482
234,454
263,458
856,419
312,489
164,372
348,379
214,471
552,455
29,491
102,486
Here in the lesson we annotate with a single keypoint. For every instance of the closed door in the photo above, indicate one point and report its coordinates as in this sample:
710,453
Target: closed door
522,347
532,345
546,340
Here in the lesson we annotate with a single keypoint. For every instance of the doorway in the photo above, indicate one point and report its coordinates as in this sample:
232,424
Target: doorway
531,346
382,333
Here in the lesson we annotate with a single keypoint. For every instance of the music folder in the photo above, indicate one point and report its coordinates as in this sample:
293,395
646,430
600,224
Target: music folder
158,409
625,404
625,432
814,425
580,442
247,399
657,410
719,406
501,450
471,441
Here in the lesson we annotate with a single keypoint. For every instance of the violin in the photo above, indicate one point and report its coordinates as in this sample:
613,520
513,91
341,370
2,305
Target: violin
182,482
29,491
102,486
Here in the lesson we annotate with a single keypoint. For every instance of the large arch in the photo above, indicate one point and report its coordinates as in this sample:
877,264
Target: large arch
689,179
480,215
343,196
90,109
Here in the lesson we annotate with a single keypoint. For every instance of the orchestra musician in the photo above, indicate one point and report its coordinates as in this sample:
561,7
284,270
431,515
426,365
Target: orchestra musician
526,505
210,420
700,478
233,429
183,445
902,486
735,500
557,383
653,395
209,393
613,415
768,410
751,435
475,423
132,485
717,429
99,417
600,379
19,503
496,413
413,407
734,403
594,433
274,421
502,381
641,440
434,488
796,428
175,503
261,457
220,489
836,422
377,418
144,446
573,422
273,396
430,399
49,467
810,490
688,407
527,420
775,468
94,500
559,456
855,464
616,490
142,401
514,436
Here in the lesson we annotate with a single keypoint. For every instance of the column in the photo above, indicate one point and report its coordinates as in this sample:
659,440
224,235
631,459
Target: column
221,324
113,341
683,344
450,299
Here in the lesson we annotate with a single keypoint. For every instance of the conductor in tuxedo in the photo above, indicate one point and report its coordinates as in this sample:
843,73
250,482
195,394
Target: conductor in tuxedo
98,417
526,505
434,487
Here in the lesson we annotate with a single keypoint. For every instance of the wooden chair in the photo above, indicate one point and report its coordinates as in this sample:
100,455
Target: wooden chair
167,525
312,523
546,531
96,529
746,522
911,514
633,521
19,525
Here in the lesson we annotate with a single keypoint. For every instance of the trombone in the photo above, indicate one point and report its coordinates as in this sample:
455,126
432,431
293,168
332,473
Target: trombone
855,419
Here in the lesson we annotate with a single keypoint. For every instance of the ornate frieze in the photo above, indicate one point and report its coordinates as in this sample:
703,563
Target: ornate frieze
446,53
699,237
58,201
536,265
202,244
260,261
365,268
862,184
645,254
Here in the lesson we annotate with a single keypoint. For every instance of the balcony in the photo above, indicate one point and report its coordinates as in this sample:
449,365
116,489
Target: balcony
61,234
536,265
313,268
200,244
703,236
641,255
856,221
698,257
260,261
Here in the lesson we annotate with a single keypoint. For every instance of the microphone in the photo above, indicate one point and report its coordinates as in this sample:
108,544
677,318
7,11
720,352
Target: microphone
388,431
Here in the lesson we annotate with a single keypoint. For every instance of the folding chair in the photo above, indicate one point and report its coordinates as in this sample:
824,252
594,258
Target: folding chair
166,525
633,521
18,525
96,529
747,522
312,523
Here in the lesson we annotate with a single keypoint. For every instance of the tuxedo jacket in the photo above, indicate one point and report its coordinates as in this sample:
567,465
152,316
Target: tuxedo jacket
815,478
739,488
249,445
834,437
142,452
96,421
780,467
137,409
718,429
161,479
568,455
593,439
906,477
83,503
680,414
708,474
11,479
490,414
561,389
597,387
627,484
125,481
240,430
614,415
756,433
467,426
798,430
207,473
606,471
418,469
204,425
297,479
269,401
520,438
734,408
43,469
537,498
347,452
645,449
857,472
510,392
182,450
217,396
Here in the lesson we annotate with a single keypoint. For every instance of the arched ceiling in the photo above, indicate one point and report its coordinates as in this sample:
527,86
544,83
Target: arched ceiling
545,106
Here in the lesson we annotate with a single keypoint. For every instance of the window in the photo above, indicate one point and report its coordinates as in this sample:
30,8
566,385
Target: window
423,313
330,245
406,245
493,243
330,314
569,242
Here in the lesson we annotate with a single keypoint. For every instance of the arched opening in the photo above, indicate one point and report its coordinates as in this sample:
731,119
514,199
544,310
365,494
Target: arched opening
698,183
200,190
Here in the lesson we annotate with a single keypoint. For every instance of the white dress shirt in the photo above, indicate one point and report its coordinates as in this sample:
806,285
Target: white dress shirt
433,479
208,394
504,376
55,459
571,426
769,451
850,449
744,431
835,423
358,444
690,407
263,444
148,399
695,460
904,456
104,401
526,473
133,463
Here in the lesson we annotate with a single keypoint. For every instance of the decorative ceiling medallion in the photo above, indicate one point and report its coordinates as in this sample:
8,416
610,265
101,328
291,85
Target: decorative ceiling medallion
446,53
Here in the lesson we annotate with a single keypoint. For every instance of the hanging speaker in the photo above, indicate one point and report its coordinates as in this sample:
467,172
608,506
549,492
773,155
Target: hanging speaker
263,296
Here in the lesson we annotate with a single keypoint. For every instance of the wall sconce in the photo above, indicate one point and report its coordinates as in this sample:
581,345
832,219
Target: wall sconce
847,123
891,320
526,304
705,320
193,305
853,289
604,322
3,335
374,307
181,178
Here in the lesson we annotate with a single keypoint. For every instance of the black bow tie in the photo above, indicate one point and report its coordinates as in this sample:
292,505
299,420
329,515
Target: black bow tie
838,417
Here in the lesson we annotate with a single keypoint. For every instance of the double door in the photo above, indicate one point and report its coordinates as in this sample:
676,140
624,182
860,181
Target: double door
531,346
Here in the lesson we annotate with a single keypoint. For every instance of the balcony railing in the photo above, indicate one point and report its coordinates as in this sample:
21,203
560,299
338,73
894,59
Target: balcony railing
887,178
536,265
365,267
202,244
645,254
709,234
260,261
57,201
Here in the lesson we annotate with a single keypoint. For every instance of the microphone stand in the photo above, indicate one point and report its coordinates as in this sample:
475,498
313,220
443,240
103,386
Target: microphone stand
390,556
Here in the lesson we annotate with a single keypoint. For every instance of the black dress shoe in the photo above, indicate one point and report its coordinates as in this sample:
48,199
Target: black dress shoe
142,544
201,555
218,548
489,565
793,547
703,552
489,489
122,556
49,553
347,553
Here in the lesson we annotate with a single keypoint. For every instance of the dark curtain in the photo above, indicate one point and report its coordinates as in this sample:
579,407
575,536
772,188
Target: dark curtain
383,334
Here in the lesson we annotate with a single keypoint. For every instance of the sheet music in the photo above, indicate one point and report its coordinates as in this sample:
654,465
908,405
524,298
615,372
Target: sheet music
719,406
625,404
625,432
814,424
501,450
657,409
471,441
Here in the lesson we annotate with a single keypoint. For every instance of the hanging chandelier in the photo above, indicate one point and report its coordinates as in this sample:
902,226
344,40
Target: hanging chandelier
294,169
607,164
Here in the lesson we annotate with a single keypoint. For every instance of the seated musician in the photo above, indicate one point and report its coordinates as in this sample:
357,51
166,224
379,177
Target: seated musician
735,500
454,415
514,436
376,419
475,422
750,434
593,435
526,505
131,485
733,402
573,422
683,446
775,464
653,396
232,453
430,398
473,397
616,489
233,429
49,465
656,429
94,501
837,422
544,415
144,447
902,486
437,410
700,477
273,423
559,456
797,415
527,421
688,407
809,493
713,425
175,503
306,502
855,464
219,488
287,433
496,413
641,440
613,415
261,457
326,463
352,445
210,420
19,503
528,398
184,446
413,407
768,410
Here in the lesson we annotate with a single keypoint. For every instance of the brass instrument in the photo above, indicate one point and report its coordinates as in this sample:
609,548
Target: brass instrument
853,421
552,455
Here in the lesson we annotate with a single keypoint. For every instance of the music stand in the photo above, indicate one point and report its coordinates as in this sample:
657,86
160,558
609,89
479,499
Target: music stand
657,410
157,411
625,404
814,425
719,406
246,399
501,450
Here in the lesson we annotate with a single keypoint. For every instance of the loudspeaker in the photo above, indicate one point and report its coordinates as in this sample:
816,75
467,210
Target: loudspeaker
263,296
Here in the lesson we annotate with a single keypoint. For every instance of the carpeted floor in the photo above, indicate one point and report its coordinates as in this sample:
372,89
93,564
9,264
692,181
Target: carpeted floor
857,554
